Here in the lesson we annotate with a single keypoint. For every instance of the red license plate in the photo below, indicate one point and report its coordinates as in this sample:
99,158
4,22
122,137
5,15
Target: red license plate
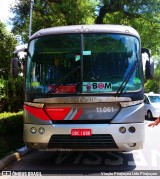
81,132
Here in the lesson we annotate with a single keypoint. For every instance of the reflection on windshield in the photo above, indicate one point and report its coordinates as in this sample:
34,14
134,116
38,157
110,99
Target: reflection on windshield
154,99
107,59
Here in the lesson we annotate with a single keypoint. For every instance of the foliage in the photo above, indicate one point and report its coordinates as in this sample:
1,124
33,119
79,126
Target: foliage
151,86
3,94
11,132
10,122
143,15
12,95
50,13
7,46
154,84
15,94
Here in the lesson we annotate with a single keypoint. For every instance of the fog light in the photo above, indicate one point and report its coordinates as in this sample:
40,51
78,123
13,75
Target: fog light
122,129
41,130
132,144
132,129
34,144
33,130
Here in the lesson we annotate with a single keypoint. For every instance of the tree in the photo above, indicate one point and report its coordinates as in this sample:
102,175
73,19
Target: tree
50,13
143,15
154,84
7,46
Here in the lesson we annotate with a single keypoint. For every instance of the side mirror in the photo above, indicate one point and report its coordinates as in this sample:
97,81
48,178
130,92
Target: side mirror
15,67
149,69
149,65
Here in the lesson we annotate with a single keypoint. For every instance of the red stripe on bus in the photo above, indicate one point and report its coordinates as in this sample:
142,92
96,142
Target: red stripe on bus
78,114
37,112
57,113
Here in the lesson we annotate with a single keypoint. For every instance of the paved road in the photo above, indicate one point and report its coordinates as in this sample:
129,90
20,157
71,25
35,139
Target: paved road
96,163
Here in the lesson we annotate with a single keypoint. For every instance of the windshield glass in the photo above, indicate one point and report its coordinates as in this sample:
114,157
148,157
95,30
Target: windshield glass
154,99
49,60
105,60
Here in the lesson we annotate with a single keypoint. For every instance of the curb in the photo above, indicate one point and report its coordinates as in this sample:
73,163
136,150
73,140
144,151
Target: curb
13,157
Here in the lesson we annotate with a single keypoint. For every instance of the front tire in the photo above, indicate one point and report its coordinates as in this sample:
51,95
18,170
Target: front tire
149,115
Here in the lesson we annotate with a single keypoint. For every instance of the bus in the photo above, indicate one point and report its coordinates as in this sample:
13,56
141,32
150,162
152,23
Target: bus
84,89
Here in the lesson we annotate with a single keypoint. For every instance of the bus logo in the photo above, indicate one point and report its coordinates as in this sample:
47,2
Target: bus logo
97,87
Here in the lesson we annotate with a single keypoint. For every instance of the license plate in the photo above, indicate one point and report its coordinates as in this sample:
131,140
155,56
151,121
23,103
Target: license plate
81,132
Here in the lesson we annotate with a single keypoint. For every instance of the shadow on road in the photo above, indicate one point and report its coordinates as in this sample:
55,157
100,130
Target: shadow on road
84,163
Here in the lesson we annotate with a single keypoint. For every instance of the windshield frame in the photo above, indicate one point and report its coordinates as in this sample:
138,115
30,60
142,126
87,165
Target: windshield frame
81,56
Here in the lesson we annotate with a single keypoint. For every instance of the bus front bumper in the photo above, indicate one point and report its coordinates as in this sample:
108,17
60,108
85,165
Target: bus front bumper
104,137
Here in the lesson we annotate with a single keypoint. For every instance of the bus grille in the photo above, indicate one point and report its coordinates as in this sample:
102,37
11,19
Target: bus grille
97,141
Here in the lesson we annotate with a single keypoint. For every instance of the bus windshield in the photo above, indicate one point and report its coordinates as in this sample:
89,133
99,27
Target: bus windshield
83,63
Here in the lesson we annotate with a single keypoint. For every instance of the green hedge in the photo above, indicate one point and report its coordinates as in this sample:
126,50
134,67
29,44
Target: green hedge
11,132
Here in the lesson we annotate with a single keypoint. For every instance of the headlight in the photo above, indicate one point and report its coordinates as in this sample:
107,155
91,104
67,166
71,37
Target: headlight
130,103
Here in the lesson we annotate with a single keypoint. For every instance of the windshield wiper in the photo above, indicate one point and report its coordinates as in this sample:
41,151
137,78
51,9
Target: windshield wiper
62,80
127,78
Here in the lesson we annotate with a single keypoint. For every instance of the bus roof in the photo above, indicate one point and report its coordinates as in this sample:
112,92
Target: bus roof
98,28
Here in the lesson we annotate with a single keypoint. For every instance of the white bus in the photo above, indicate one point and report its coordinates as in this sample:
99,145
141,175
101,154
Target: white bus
84,89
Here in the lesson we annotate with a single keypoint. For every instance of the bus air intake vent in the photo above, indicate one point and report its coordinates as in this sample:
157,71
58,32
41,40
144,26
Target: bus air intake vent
97,141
